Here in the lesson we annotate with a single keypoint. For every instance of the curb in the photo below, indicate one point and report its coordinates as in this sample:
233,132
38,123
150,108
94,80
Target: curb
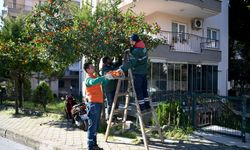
33,143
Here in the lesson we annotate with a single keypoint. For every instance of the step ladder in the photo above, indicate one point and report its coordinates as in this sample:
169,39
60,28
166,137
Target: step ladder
140,115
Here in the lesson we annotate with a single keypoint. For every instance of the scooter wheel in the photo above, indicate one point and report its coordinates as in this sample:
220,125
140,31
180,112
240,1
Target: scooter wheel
84,126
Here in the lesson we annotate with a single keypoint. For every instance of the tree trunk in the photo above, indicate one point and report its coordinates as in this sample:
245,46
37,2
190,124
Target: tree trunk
38,78
20,91
44,107
97,70
16,96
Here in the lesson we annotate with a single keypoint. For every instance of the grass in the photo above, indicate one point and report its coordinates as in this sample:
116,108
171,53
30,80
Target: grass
177,133
174,133
9,111
53,107
53,116
9,102
117,130
56,107
129,134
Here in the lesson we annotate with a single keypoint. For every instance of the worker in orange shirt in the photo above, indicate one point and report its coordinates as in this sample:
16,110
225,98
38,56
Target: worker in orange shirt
95,100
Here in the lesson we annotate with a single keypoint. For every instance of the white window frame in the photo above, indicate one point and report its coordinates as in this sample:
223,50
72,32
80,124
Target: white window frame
178,26
213,30
178,31
213,43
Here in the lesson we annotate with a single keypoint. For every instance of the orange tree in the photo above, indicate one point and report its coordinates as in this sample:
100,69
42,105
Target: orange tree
106,31
69,32
52,26
19,55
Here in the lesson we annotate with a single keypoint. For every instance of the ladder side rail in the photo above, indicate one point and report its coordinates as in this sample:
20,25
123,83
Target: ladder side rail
112,110
139,112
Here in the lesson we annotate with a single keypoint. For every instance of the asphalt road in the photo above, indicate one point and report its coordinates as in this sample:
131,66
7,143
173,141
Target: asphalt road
6,144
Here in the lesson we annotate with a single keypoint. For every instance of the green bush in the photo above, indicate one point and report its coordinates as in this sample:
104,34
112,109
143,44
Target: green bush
42,94
169,113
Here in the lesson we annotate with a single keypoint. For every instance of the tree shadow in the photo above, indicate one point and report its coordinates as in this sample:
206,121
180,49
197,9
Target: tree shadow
62,124
179,145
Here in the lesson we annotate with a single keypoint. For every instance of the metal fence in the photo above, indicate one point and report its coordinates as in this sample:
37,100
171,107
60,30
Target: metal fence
206,112
211,113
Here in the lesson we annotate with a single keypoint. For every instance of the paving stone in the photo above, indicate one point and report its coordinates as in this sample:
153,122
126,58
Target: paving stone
62,135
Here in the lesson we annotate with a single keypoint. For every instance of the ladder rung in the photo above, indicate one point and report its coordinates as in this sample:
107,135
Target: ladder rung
117,112
146,112
122,108
123,94
126,78
116,124
151,130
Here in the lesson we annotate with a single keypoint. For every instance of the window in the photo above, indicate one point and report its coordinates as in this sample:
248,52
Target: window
213,37
13,4
179,31
212,34
74,72
61,83
184,77
179,78
170,77
28,5
74,83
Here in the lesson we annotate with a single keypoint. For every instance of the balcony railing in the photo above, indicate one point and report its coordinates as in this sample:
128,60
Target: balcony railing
19,8
186,42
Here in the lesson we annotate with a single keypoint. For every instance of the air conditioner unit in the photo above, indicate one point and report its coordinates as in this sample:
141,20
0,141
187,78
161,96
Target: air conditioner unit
197,23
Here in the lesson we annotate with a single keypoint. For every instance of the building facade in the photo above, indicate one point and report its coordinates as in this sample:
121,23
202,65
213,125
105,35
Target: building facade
16,7
195,58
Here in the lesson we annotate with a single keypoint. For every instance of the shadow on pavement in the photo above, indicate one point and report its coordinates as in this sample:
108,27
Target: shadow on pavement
184,145
63,124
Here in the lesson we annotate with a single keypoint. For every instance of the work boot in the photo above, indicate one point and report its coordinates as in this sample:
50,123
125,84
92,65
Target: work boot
96,147
142,107
147,105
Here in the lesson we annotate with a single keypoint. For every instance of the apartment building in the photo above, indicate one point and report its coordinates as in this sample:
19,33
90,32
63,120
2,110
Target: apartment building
16,7
195,58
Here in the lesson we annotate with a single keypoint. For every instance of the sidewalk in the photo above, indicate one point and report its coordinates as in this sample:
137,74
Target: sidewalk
46,134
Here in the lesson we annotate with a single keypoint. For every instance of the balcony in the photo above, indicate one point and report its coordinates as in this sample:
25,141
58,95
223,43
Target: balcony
19,8
184,8
186,42
187,47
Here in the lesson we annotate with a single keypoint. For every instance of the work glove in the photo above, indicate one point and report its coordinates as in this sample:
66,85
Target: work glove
108,76
120,70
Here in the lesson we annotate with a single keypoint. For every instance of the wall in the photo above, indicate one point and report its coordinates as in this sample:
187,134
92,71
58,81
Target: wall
165,22
221,22
53,85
